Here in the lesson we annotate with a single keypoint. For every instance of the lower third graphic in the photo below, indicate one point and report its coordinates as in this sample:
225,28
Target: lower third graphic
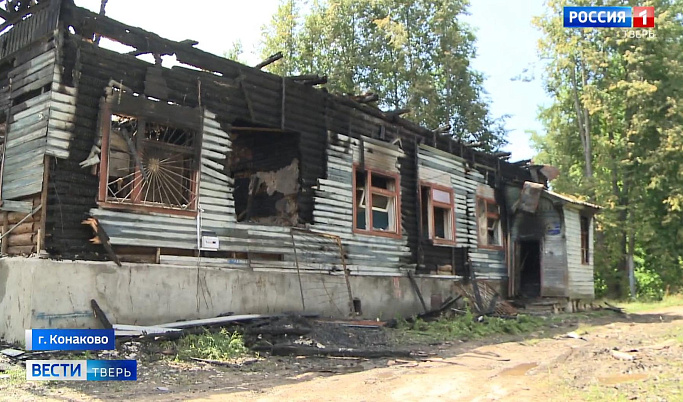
81,370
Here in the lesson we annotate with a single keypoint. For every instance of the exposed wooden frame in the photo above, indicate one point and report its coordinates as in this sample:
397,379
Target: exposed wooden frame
494,215
369,191
430,212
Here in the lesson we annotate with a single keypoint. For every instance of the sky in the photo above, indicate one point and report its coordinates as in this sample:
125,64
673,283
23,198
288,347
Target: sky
506,43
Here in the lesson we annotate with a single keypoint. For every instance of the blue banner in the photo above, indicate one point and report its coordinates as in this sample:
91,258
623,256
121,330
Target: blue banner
70,339
81,370
598,17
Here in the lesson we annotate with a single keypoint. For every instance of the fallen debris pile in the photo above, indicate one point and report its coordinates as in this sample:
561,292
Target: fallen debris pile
484,300
299,336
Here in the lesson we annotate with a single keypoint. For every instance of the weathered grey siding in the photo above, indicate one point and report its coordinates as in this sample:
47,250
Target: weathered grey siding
215,187
442,168
447,170
38,126
580,275
333,212
27,96
553,253
26,139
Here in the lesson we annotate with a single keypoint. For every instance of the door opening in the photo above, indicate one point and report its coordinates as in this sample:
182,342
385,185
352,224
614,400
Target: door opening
530,267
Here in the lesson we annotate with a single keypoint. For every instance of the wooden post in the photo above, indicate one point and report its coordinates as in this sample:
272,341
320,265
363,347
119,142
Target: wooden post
5,228
40,239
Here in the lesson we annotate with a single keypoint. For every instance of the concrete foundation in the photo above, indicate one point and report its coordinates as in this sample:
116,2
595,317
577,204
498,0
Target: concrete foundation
37,293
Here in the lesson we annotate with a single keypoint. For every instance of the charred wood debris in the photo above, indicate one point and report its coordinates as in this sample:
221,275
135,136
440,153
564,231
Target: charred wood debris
301,334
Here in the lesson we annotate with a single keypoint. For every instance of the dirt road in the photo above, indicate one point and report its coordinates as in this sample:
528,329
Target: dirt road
629,357
646,367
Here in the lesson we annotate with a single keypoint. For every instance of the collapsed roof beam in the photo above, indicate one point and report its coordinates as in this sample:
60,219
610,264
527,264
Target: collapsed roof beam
523,162
143,41
365,98
185,42
270,60
309,79
397,112
442,130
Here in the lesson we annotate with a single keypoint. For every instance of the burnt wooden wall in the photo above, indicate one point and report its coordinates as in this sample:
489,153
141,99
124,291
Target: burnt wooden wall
231,93
28,68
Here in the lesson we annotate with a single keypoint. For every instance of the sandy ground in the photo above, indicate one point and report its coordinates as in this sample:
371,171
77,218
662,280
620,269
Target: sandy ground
632,357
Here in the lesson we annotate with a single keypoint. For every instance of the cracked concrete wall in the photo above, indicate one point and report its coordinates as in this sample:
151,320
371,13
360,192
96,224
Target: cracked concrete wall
39,293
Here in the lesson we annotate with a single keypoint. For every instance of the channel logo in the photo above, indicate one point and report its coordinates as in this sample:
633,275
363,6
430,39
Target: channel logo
81,370
609,17
643,17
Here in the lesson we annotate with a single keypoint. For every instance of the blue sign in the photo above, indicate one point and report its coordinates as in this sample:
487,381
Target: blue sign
598,17
70,339
81,370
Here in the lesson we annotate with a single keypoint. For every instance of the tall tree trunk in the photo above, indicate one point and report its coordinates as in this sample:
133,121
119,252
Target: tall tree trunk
587,149
622,218
582,120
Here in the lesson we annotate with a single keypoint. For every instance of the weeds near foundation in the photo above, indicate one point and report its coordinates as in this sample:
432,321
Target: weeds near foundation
223,345
467,326
17,376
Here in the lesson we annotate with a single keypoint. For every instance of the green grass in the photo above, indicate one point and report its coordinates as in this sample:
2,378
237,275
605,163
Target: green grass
223,345
466,327
17,377
638,306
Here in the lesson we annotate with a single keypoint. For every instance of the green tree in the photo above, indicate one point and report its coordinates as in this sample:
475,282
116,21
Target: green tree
614,129
412,54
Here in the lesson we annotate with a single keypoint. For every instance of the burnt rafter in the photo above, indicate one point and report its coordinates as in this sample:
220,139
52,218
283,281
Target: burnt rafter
309,79
16,10
85,21
443,129
365,98
89,24
270,60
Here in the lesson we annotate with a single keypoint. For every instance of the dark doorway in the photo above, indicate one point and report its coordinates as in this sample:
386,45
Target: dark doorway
530,266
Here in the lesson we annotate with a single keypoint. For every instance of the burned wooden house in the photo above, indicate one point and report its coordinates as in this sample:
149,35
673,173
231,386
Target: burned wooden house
219,187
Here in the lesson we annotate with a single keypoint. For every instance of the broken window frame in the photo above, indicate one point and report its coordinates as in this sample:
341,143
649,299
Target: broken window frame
584,226
484,243
432,205
368,192
147,111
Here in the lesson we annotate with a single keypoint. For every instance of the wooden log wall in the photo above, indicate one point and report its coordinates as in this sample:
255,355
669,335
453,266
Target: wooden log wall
28,69
24,237
232,93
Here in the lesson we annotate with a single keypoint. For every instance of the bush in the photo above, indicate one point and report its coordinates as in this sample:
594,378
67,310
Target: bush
600,286
649,285
221,345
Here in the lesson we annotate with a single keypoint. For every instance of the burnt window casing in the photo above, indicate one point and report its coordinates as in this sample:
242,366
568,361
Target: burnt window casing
376,207
585,240
490,233
437,206
148,165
